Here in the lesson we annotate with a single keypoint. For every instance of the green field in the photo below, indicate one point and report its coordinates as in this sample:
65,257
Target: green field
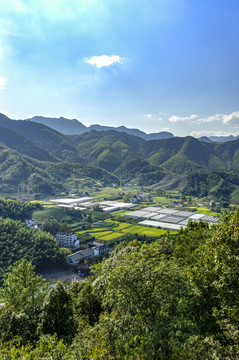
43,203
121,212
51,212
120,229
112,236
202,210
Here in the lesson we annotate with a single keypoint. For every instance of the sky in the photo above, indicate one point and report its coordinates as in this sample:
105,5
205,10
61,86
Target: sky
156,65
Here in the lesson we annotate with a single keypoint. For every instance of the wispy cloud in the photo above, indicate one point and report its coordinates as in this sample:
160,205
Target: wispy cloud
209,119
150,116
228,119
174,118
3,83
103,60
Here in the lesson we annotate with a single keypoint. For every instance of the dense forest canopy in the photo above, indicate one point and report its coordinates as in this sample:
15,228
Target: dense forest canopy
17,210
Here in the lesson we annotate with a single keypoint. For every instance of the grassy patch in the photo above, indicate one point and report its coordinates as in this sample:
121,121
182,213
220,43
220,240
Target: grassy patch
156,232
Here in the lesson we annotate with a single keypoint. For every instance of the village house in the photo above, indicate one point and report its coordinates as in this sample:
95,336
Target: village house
99,249
68,240
79,256
94,249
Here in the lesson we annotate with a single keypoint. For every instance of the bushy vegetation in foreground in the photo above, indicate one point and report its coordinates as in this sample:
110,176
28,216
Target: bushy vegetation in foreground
170,299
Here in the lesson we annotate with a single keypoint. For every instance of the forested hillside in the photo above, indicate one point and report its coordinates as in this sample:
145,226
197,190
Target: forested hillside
20,173
170,299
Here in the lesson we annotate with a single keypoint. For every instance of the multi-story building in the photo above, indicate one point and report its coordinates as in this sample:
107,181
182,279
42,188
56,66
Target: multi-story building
68,240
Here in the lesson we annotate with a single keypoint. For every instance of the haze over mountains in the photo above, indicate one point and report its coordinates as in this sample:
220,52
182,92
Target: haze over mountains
75,127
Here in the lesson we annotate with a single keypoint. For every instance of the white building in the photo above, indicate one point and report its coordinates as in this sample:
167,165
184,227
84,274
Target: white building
99,249
68,240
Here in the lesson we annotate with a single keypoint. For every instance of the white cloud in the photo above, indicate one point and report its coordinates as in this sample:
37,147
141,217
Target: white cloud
3,83
176,118
152,117
200,133
104,60
231,119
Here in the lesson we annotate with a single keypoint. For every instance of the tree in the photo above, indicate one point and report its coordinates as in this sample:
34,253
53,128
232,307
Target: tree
51,226
57,314
88,303
22,288
146,298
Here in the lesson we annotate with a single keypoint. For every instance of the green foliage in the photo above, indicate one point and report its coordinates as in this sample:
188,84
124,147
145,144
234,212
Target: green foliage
188,241
216,276
88,303
147,298
52,226
47,348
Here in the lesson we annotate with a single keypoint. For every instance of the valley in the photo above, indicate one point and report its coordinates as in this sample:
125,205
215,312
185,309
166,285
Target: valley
85,218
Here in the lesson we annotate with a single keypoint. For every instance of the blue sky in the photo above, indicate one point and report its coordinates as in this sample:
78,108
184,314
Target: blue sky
154,65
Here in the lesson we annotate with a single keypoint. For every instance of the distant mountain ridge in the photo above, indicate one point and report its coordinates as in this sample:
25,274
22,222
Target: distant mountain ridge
75,127
223,138
63,125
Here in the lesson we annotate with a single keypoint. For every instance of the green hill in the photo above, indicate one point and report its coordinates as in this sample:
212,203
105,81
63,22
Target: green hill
32,154
45,138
